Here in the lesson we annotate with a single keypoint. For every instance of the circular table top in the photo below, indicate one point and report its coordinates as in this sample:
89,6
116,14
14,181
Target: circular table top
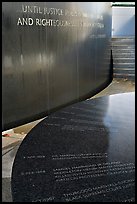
84,152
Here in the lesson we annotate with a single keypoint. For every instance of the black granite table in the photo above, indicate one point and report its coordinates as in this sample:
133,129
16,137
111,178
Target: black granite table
82,153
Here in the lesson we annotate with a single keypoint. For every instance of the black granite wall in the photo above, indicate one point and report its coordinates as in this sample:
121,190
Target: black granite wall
53,54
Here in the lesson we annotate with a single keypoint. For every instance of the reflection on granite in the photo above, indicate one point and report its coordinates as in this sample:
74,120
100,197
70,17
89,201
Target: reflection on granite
82,153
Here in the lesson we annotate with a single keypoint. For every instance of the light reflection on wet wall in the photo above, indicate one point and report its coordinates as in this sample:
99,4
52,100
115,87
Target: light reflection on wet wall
53,54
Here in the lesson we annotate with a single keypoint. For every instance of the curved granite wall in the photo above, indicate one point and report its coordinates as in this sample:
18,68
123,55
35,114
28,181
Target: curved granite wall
53,54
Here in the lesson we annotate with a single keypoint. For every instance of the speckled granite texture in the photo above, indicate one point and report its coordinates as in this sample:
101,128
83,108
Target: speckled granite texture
82,153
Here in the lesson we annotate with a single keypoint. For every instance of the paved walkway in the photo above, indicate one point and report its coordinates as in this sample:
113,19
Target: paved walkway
117,86
10,144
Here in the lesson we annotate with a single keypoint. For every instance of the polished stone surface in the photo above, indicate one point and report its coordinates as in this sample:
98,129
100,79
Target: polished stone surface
48,66
84,152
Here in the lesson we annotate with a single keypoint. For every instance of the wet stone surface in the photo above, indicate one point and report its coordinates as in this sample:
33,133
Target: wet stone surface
84,152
